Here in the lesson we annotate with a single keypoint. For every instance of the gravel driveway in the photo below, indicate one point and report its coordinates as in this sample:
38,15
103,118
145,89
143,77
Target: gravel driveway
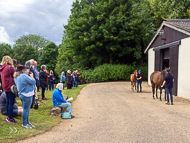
112,113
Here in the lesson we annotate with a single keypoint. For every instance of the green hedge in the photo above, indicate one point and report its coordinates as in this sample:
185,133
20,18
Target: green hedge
109,72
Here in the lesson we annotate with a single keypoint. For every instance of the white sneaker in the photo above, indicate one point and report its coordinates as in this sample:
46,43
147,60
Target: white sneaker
30,125
26,127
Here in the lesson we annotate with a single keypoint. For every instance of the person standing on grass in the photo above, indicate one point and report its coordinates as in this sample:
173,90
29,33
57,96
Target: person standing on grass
139,80
7,79
25,86
62,78
58,99
52,79
43,80
168,82
69,79
73,81
77,74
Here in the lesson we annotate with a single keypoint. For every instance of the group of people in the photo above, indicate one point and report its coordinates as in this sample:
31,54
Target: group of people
168,84
71,79
27,80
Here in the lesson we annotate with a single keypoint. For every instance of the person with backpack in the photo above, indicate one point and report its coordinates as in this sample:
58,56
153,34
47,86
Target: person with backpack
62,78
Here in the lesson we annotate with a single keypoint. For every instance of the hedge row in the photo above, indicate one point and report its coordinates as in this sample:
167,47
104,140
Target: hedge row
109,72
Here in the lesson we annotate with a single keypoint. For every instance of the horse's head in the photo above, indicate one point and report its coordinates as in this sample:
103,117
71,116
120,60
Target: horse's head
164,72
135,72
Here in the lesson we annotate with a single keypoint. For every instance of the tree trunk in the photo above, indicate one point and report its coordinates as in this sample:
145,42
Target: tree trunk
110,60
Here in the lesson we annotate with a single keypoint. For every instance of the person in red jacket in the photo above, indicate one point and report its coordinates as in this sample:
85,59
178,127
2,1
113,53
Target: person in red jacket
7,79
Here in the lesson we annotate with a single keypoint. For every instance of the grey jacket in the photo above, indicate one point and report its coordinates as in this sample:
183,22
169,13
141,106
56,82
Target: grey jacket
3,103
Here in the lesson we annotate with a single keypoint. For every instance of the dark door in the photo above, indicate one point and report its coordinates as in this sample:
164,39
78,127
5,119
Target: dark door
174,66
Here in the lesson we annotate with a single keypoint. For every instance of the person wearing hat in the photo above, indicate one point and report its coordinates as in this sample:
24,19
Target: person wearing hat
139,80
168,82
25,85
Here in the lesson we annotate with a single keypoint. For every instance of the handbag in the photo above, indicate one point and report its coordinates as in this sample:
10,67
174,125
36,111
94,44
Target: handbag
13,86
66,115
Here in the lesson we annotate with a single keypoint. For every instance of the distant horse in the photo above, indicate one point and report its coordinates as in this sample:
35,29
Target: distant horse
157,79
133,80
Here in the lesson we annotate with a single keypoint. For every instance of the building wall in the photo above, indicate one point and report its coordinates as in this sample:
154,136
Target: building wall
151,63
184,69
171,35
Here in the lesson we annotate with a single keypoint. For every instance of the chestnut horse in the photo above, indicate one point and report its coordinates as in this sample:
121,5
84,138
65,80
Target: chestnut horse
133,80
157,79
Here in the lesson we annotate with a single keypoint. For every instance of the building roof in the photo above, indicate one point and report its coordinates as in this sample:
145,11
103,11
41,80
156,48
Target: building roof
181,25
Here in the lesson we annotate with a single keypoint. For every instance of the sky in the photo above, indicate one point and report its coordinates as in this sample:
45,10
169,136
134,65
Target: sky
40,17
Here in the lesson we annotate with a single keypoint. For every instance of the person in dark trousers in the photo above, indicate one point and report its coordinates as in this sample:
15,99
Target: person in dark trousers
168,82
7,79
139,80
69,79
51,82
43,80
77,74
17,111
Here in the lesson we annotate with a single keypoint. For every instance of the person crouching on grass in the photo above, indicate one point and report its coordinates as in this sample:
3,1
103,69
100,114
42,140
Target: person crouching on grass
58,99
25,86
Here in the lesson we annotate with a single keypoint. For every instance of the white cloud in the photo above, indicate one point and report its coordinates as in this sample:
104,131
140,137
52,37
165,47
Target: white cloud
45,18
4,37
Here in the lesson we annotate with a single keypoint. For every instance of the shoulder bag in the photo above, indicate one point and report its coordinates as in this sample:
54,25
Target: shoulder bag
13,86
66,115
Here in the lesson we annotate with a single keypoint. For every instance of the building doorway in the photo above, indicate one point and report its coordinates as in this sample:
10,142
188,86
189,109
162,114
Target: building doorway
165,60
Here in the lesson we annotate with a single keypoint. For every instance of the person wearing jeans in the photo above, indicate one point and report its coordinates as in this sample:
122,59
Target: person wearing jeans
51,83
77,74
139,81
168,82
25,85
58,99
7,79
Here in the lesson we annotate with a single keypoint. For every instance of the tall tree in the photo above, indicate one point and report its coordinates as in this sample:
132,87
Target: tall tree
24,52
36,41
5,50
48,56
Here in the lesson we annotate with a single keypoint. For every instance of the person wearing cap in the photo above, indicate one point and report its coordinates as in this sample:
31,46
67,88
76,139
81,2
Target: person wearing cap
25,86
168,82
139,80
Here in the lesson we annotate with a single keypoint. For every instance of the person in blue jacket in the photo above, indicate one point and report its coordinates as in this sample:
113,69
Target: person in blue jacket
58,99
62,78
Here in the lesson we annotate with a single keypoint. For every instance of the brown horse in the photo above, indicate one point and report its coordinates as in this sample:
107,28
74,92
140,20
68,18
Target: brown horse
157,79
133,80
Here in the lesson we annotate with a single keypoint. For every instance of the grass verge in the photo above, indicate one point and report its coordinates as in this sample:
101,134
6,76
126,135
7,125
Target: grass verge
40,118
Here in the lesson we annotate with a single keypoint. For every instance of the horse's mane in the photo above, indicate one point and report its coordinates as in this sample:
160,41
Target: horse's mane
162,72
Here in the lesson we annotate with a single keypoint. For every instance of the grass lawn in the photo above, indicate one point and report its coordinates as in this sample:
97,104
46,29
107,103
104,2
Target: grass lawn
40,118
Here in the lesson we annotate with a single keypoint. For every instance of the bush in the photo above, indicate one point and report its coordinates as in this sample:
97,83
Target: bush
109,72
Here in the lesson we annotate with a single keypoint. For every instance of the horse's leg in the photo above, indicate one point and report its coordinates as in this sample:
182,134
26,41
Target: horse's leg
132,86
160,94
135,86
153,86
156,92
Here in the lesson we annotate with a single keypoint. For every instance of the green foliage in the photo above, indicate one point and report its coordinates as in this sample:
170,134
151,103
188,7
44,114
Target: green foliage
24,52
40,118
109,72
48,56
36,41
5,50
116,32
